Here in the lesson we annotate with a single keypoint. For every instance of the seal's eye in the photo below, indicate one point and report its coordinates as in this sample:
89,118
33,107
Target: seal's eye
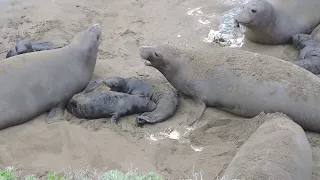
156,54
253,11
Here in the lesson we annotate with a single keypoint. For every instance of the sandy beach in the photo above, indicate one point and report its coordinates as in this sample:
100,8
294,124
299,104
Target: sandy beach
170,148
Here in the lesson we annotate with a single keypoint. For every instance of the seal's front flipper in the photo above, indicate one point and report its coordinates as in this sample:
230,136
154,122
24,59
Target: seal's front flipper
115,118
57,112
93,84
196,112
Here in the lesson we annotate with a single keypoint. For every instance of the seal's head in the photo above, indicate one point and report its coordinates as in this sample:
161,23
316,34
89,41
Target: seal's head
118,84
163,57
21,47
88,39
256,13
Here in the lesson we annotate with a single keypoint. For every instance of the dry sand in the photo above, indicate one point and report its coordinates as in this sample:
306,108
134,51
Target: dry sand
168,148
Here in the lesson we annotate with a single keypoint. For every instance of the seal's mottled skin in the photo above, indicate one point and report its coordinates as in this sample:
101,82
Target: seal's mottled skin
274,21
27,46
278,149
164,96
33,83
103,104
309,52
240,82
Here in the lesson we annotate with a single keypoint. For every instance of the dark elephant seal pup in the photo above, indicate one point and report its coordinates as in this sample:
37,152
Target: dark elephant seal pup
309,52
274,21
27,46
240,82
103,104
33,83
164,96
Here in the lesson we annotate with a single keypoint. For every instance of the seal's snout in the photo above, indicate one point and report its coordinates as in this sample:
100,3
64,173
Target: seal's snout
144,53
96,29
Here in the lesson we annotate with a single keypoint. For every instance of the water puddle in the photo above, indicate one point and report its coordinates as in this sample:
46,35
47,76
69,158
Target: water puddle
172,133
226,34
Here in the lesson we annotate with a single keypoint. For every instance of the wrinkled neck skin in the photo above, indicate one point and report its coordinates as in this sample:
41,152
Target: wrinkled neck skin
84,46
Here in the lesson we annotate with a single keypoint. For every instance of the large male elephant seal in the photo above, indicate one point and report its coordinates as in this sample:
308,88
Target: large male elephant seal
164,96
102,104
274,21
27,46
309,52
278,149
33,83
241,82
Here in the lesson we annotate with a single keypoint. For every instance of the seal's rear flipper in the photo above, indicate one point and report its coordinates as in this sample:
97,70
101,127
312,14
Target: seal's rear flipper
56,113
196,113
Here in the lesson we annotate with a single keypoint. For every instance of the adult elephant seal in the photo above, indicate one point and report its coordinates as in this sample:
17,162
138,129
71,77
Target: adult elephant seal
164,96
243,83
27,46
274,22
102,104
34,83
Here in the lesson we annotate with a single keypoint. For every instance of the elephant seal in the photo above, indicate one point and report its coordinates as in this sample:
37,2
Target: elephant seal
164,96
274,22
278,149
34,83
102,104
240,82
309,52
27,46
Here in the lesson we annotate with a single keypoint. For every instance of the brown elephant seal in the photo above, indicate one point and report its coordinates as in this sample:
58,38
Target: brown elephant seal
278,149
309,52
27,46
164,96
34,83
240,82
274,22
104,104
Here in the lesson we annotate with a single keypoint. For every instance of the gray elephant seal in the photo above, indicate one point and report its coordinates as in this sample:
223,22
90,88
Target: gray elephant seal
309,52
164,96
27,46
240,82
34,83
274,21
104,104
278,149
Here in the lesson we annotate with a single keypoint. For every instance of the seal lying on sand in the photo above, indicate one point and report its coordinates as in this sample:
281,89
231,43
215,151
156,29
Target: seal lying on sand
309,52
164,96
101,104
240,82
278,149
274,21
34,83
26,46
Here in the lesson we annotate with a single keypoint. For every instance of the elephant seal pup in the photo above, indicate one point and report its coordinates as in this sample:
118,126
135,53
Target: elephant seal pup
102,104
240,82
34,83
27,46
309,52
278,149
274,22
164,96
